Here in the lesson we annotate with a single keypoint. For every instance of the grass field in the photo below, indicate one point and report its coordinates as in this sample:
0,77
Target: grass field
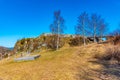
68,63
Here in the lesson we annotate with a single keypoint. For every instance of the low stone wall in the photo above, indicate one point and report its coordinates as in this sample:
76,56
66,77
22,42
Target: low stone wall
27,58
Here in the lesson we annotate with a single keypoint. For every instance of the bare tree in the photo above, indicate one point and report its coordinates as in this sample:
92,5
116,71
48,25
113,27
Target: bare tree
57,27
98,26
82,26
94,23
103,28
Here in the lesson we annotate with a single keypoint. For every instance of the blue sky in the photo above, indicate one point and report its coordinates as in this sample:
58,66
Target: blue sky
30,18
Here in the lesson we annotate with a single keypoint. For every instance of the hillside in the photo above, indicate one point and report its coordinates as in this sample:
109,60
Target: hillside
68,63
3,49
48,41
4,52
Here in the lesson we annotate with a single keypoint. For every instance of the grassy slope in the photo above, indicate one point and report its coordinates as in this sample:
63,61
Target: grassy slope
69,63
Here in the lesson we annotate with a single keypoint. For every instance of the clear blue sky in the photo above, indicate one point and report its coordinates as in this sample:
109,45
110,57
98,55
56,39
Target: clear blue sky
30,18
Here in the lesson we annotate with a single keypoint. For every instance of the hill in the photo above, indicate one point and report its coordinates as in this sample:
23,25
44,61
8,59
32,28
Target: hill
48,41
4,51
10,48
68,63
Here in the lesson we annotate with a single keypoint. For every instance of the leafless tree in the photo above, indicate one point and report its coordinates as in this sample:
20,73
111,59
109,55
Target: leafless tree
103,28
94,25
57,27
82,26
98,26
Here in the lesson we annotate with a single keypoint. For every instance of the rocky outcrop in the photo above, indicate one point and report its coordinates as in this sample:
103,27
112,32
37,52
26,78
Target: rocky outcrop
29,44
36,44
45,41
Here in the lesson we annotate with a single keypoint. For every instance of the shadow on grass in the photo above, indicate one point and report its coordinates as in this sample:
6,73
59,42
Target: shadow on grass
110,71
83,75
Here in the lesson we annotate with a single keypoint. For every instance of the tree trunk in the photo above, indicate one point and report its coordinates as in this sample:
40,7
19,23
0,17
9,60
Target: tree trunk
94,34
84,41
94,38
84,37
57,47
83,26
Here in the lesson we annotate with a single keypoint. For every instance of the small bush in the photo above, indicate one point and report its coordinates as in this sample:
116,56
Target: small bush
116,40
112,52
77,41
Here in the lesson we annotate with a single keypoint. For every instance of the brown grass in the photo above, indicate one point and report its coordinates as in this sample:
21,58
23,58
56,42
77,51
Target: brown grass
112,53
51,65
68,63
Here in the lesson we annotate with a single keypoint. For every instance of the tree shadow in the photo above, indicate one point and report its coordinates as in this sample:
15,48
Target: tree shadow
111,71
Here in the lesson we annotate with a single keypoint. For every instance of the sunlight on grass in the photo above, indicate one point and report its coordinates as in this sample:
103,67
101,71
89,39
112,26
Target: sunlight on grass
51,65
68,63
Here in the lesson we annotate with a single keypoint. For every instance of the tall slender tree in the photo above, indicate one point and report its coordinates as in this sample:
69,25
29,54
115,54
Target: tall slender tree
103,28
98,26
94,22
57,27
82,26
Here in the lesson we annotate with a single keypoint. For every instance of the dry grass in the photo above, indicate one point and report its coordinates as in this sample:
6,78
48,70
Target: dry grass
52,65
112,53
69,63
